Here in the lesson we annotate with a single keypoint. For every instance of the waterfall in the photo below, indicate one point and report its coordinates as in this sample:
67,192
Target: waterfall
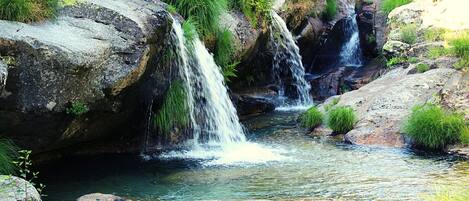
217,133
351,53
287,60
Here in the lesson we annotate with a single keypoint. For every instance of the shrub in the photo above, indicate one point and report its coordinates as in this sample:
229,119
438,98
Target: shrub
388,5
408,33
77,108
27,10
173,112
204,13
421,68
257,11
312,118
341,119
433,128
331,10
8,153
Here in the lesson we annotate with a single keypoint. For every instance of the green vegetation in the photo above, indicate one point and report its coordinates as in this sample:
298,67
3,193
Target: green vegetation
436,52
257,11
388,5
460,48
24,165
7,154
433,128
413,60
331,10
434,34
190,32
173,112
312,118
341,119
27,10
408,33
421,68
224,51
395,60
171,9
333,103
370,38
77,108
204,13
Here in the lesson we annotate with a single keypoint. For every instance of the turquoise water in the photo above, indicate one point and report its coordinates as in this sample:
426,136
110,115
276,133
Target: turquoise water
316,168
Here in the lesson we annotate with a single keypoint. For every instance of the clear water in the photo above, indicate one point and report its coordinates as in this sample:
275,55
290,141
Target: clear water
310,167
351,53
287,60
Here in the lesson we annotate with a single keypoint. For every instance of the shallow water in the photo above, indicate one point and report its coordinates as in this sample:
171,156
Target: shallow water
306,167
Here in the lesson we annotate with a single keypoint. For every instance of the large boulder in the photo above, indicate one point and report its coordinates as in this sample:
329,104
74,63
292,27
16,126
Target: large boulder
383,105
16,189
104,54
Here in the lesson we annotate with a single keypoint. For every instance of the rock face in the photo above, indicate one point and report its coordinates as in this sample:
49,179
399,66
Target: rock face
104,54
16,189
3,75
383,105
100,197
367,25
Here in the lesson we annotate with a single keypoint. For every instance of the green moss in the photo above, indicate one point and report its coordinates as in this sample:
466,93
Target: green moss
331,10
408,33
27,10
421,68
341,119
312,118
8,152
433,128
77,108
388,5
174,111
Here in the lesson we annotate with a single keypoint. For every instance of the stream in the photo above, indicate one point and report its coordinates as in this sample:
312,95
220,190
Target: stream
304,167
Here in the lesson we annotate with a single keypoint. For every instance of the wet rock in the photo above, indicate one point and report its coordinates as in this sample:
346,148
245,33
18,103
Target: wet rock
100,197
3,75
252,104
459,150
395,48
105,54
244,33
16,189
366,25
383,105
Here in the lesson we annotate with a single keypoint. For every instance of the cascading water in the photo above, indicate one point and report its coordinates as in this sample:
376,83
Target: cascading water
217,133
351,53
287,59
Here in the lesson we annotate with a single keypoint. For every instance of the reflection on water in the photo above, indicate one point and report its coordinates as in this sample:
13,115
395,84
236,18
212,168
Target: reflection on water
313,168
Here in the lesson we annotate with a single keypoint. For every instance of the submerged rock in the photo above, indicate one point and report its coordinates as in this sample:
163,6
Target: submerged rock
16,189
100,197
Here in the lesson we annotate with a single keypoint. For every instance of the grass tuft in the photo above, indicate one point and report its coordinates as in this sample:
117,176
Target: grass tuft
422,68
27,10
408,33
77,108
395,61
223,54
433,128
460,48
190,32
174,111
330,11
388,5
8,152
312,118
257,11
341,119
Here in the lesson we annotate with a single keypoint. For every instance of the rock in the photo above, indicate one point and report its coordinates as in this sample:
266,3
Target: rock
105,54
459,150
244,33
407,14
383,105
100,197
16,189
252,104
395,48
366,25
3,75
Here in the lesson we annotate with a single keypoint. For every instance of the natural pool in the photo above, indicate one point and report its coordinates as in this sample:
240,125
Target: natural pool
308,168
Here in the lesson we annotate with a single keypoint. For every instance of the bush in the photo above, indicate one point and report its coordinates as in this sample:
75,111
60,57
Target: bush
331,10
408,33
8,153
388,5
27,10
174,111
422,68
204,13
77,108
341,119
257,11
433,128
312,118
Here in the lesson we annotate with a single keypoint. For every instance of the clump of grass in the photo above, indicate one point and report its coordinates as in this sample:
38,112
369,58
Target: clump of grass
257,11
341,119
190,32
433,128
171,9
422,68
434,34
388,5
460,48
436,52
223,54
8,152
413,60
331,10
395,61
27,10
77,108
174,111
408,33
204,13
312,118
